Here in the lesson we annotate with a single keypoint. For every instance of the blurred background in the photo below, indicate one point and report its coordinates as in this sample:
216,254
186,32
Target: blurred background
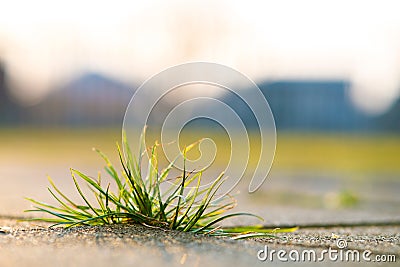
329,70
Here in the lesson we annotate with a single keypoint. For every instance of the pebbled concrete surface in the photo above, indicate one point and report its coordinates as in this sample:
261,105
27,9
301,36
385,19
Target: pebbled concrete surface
28,244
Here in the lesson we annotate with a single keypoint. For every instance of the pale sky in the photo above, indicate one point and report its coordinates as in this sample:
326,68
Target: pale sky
45,43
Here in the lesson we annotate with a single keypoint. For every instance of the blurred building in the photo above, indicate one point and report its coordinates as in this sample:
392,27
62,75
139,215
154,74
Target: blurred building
96,100
315,105
391,120
308,106
90,100
9,111
3,94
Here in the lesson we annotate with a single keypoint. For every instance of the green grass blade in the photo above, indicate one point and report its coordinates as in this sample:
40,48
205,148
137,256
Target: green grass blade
224,218
83,196
110,169
138,200
252,235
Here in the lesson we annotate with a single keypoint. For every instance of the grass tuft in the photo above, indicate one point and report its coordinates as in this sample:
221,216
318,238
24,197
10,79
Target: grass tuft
138,198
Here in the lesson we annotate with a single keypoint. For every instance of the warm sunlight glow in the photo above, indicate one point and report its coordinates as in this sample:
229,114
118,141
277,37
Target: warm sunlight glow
44,43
